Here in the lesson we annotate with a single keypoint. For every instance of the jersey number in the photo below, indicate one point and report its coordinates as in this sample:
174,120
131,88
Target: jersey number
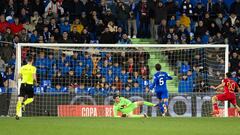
161,82
231,86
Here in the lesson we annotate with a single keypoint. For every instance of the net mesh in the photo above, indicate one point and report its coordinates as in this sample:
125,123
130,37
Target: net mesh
80,81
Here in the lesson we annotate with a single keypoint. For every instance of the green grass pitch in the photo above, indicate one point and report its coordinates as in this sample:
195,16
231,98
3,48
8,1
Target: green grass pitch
119,126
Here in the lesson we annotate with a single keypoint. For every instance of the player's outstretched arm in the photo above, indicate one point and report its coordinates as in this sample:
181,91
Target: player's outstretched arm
169,77
153,84
218,87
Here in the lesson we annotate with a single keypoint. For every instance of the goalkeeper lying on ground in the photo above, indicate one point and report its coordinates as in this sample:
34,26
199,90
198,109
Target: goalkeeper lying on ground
127,107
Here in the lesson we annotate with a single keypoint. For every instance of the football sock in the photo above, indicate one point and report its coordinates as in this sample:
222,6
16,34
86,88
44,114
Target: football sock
161,107
166,103
165,106
148,103
18,107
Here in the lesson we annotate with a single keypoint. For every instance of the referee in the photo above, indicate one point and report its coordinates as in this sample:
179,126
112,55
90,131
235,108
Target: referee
27,75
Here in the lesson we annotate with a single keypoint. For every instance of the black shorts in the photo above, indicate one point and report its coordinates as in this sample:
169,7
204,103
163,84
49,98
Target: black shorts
26,90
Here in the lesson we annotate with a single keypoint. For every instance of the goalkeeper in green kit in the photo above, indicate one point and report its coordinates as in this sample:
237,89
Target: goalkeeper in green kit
127,107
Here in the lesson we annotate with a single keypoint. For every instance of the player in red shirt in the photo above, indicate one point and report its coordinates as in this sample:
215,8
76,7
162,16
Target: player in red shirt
229,86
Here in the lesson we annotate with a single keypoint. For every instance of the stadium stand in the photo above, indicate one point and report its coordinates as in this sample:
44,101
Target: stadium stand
110,22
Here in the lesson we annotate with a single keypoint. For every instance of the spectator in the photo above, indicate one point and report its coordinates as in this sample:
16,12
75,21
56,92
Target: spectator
185,21
109,77
185,67
152,5
78,25
5,52
235,7
198,12
46,34
200,29
107,37
201,86
162,31
169,37
136,89
124,76
84,20
233,20
160,14
220,7
53,25
125,39
137,78
55,8
2,65
76,9
35,18
8,36
234,77
210,8
8,74
213,29
116,69
126,91
65,27
38,7
58,79
91,6
172,8
11,8
131,66
41,64
3,24
119,34
29,27
143,9
232,38
85,37
65,38
117,82
71,79
185,85
24,16
16,27
220,20
234,61
75,35
132,24
81,89
122,11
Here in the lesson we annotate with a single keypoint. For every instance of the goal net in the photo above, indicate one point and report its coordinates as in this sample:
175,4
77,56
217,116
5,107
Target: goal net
79,80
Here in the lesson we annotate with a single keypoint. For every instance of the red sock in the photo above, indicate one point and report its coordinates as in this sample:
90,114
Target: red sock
215,107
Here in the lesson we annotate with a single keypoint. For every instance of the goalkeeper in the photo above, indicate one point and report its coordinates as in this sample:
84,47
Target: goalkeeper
127,107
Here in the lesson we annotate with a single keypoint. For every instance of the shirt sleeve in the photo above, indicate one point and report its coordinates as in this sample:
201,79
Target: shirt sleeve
34,70
168,77
154,83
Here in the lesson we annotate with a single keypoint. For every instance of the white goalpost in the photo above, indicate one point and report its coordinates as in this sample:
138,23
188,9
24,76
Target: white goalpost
91,73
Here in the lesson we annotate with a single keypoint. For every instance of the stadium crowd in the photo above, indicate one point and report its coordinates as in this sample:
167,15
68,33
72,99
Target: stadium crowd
110,22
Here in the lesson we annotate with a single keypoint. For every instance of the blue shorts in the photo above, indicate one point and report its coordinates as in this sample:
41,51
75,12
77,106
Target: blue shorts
162,94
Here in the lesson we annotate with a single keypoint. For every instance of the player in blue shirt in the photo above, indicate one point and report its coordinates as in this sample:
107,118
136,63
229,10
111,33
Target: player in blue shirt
160,85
